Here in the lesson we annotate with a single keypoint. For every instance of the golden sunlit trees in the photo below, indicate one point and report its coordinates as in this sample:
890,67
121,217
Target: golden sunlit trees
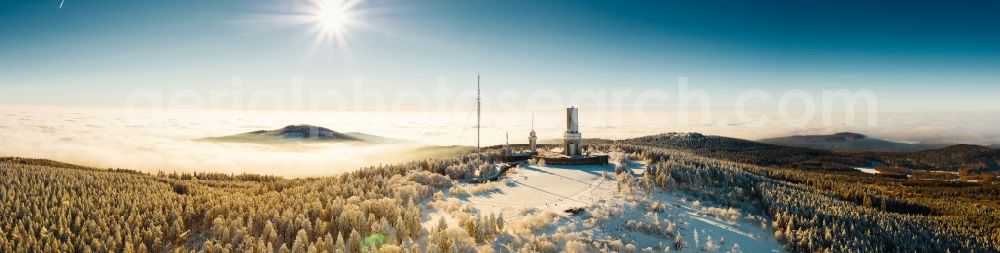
49,206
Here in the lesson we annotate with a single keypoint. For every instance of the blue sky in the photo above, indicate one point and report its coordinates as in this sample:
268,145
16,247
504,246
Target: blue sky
916,55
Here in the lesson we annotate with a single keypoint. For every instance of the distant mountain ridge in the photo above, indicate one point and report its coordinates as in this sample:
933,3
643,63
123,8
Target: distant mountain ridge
299,134
746,151
848,142
950,158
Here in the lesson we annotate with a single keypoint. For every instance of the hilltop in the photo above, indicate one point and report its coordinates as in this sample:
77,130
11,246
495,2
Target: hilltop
747,151
300,134
848,142
950,158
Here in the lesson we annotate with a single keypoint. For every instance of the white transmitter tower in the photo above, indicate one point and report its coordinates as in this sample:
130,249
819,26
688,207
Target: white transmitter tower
572,137
532,138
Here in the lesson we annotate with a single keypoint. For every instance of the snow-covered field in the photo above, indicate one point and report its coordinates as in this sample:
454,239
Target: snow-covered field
716,229
534,200
554,188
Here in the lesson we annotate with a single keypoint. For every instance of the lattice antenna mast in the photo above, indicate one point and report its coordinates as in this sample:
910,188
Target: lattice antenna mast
478,113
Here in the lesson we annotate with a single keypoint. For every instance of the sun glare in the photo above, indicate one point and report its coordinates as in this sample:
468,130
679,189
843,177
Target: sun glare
331,21
328,22
331,15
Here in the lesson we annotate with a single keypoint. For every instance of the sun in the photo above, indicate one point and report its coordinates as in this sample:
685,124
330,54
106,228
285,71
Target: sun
332,15
331,20
329,23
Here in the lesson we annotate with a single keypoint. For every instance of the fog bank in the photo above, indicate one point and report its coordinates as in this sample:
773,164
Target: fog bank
163,141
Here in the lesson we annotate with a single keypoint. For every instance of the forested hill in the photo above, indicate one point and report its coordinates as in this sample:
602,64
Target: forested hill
740,150
951,158
848,142
299,134
42,162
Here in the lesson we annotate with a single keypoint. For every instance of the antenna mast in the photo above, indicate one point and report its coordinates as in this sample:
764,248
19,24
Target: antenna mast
478,113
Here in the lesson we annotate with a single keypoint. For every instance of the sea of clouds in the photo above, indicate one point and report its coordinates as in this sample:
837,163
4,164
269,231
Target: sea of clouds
157,140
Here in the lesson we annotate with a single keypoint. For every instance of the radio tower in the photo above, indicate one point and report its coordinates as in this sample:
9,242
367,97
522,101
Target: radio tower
477,113
532,138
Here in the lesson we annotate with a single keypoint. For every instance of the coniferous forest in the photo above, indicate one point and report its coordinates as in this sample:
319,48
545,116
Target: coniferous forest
49,206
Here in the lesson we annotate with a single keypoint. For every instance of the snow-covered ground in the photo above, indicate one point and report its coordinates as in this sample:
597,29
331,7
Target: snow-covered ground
552,188
727,230
657,220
